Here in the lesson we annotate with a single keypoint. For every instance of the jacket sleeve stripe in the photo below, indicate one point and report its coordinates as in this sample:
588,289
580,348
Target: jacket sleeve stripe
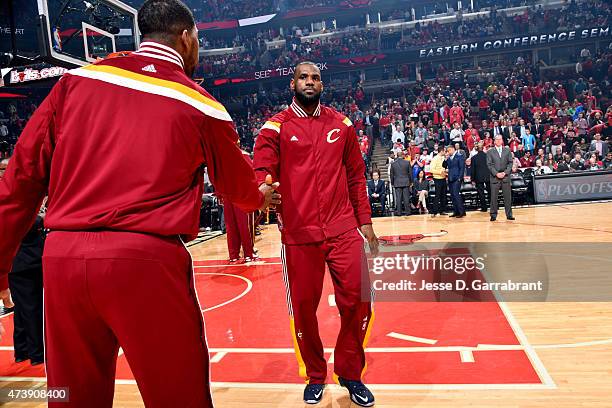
347,122
155,86
272,126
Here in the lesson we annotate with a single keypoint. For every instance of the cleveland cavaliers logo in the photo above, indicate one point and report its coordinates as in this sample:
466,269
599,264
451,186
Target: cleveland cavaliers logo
330,133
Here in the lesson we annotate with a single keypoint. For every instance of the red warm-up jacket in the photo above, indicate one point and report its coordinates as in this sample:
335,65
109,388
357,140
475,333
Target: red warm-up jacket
319,166
121,145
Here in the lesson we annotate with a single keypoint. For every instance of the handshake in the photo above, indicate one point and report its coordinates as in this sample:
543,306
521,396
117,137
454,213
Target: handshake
271,196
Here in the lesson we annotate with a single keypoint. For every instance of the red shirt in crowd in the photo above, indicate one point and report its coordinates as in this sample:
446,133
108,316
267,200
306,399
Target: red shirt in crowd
456,115
527,96
472,141
526,161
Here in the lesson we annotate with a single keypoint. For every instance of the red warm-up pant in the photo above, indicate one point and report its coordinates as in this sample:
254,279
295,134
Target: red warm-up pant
303,272
238,231
105,290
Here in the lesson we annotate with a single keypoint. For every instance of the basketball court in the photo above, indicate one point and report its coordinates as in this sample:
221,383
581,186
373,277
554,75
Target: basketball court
420,354
426,354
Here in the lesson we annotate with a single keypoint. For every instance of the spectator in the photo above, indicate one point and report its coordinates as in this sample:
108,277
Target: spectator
541,169
480,177
599,146
529,141
592,164
557,140
438,170
421,187
401,179
377,191
456,114
456,135
398,134
527,160
607,162
456,174
577,163
564,165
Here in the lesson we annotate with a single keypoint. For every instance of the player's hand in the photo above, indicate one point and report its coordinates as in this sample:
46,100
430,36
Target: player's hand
5,297
271,196
368,233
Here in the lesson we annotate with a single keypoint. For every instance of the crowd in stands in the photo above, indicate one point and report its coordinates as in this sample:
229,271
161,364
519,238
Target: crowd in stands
299,4
13,118
220,10
550,126
354,43
553,126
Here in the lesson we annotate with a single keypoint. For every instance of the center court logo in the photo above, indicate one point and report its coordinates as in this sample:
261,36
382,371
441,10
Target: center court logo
330,134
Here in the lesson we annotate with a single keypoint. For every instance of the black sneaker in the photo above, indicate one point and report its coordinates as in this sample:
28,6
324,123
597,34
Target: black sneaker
313,393
359,393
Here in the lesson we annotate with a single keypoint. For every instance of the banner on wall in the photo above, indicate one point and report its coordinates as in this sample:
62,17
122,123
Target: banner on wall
267,73
513,43
577,186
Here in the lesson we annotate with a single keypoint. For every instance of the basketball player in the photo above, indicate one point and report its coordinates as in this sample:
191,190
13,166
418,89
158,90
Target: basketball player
237,223
120,147
312,150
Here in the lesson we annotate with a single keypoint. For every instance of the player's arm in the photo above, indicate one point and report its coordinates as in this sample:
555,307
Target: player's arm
355,175
358,195
25,181
267,152
228,169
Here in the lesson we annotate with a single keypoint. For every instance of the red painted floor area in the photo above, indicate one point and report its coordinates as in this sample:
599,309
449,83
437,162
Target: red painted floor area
257,320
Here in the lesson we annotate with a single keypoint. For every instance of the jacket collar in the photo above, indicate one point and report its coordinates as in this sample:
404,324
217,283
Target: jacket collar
160,51
301,113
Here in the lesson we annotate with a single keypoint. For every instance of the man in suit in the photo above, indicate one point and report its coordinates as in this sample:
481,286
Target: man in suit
444,135
401,180
538,129
497,129
371,123
522,129
499,162
456,172
599,146
480,176
376,191
506,129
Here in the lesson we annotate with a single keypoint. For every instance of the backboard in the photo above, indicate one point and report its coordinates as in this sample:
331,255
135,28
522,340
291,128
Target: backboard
77,32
